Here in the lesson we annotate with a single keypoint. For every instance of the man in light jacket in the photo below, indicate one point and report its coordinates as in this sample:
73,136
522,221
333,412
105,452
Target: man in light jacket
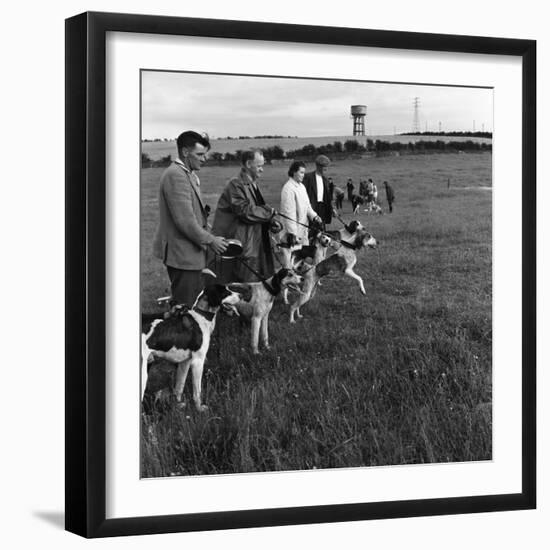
242,214
182,236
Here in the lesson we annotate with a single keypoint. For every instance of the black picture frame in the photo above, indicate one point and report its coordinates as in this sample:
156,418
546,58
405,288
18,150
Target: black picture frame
86,273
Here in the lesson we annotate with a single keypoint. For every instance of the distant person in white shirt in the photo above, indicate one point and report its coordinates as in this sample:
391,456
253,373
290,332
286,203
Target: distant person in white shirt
370,192
297,212
319,190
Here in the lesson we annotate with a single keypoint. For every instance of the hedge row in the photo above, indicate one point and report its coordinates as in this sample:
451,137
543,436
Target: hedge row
337,148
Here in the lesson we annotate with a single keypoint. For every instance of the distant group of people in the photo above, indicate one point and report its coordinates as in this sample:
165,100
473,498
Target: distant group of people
368,194
185,243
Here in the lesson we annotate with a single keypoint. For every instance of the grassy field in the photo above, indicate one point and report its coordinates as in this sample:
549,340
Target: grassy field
400,376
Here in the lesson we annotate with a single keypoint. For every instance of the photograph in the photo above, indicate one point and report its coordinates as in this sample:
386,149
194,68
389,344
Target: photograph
292,260
316,275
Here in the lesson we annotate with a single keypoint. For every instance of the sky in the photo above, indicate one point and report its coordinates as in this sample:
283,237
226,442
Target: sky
234,105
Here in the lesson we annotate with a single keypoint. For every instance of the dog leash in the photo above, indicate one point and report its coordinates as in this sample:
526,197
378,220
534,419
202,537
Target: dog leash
291,219
339,218
267,286
348,245
275,244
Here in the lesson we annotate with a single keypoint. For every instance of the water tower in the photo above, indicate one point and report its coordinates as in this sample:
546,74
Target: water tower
358,113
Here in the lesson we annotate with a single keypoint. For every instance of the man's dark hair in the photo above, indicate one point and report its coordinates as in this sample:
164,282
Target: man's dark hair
295,166
190,138
249,155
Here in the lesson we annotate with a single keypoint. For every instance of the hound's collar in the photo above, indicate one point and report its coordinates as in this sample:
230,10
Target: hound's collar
269,288
348,245
208,315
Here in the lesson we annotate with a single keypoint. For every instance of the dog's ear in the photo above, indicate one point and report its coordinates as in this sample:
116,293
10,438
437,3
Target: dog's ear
362,238
243,289
215,294
177,310
278,278
281,274
291,240
351,227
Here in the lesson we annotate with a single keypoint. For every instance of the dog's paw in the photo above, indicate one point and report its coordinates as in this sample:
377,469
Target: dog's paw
181,405
255,352
202,408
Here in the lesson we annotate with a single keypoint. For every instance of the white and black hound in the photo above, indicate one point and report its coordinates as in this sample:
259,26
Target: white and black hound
286,248
303,258
258,298
183,338
346,243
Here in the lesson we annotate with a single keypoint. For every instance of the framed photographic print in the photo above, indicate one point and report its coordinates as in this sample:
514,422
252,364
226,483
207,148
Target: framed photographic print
300,274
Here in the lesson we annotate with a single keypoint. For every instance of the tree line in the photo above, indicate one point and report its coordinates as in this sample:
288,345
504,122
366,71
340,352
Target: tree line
337,149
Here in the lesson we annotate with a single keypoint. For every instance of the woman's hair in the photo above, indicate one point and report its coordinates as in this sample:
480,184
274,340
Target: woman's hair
295,166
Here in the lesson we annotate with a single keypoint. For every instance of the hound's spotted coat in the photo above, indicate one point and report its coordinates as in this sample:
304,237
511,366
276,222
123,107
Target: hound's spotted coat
301,259
258,301
347,242
183,338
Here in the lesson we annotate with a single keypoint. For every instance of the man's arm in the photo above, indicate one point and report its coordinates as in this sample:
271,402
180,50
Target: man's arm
328,191
244,209
178,195
310,188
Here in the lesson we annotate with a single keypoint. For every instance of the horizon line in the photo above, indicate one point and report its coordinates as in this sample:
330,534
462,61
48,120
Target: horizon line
367,136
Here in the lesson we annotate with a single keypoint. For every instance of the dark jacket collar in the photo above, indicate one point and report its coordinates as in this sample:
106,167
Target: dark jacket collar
246,177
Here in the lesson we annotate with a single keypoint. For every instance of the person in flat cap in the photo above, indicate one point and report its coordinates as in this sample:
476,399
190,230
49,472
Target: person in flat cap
319,190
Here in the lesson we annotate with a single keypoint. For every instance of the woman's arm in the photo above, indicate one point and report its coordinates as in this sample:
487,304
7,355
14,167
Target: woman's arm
288,208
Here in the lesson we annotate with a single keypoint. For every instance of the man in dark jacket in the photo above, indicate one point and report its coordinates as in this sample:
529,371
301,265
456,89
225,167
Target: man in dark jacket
390,196
349,188
318,189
